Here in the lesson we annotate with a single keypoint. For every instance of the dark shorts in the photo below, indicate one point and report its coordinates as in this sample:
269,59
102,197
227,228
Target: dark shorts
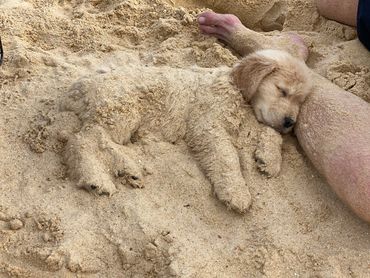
363,22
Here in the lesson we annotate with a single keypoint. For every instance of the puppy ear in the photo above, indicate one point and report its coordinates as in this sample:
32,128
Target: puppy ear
250,72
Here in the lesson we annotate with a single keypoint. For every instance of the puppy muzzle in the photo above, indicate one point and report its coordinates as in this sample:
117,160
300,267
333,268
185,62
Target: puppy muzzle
288,122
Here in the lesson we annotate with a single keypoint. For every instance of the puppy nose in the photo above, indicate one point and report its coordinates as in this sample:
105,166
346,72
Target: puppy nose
288,122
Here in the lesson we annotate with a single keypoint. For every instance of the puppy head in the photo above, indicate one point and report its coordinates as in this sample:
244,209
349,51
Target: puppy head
276,84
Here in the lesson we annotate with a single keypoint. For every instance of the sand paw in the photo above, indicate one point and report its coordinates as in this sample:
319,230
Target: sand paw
268,152
125,164
238,199
132,179
131,172
98,186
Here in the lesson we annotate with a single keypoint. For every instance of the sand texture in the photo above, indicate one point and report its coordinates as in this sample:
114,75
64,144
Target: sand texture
126,151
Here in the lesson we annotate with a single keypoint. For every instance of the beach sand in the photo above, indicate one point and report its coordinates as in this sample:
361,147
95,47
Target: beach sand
171,224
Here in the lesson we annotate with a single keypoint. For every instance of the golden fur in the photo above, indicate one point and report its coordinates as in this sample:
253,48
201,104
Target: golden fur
276,84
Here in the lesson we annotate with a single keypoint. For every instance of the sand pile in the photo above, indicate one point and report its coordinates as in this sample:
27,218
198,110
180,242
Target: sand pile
126,99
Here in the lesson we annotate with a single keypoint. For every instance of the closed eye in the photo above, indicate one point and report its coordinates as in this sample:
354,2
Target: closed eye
283,92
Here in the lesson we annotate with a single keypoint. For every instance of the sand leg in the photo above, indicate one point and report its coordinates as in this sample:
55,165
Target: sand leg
85,166
93,160
219,159
229,29
123,164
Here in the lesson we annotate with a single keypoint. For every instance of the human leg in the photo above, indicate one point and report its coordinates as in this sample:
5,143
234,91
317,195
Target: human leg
343,11
334,132
229,28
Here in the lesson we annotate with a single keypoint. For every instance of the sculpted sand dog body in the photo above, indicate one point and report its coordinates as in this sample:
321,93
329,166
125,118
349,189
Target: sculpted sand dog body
205,111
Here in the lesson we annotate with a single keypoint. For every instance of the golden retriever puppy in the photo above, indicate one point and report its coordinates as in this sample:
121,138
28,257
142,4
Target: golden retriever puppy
200,107
276,84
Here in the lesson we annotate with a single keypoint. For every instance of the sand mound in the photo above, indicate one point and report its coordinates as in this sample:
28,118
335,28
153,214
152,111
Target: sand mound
126,99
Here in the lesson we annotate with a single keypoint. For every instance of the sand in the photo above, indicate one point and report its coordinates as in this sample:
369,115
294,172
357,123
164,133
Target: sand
127,99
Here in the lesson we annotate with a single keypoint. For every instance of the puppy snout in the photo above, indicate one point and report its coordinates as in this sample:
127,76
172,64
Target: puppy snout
288,122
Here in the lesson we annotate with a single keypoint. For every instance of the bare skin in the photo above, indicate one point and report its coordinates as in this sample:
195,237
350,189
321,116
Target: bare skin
332,127
229,28
343,11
